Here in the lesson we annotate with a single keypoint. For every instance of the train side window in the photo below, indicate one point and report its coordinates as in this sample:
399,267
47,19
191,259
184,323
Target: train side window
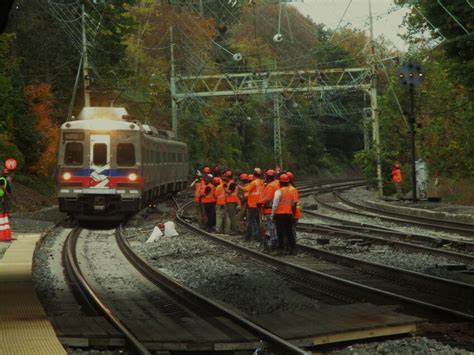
73,154
180,157
100,154
173,157
158,155
125,154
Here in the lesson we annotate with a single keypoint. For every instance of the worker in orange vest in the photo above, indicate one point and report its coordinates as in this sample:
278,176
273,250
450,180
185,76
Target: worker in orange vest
231,202
297,214
283,210
198,209
266,203
255,190
243,197
397,179
220,205
208,201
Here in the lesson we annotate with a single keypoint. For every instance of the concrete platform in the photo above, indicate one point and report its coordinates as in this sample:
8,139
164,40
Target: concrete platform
24,326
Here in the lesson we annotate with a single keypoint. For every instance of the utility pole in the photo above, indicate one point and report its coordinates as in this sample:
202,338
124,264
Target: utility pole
366,115
174,105
85,66
374,106
277,130
411,76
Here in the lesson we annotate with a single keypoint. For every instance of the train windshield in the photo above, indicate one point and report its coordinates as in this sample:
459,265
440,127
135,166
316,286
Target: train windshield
73,154
125,154
100,154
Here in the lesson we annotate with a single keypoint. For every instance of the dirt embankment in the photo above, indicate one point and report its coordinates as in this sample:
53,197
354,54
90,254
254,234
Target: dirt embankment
25,199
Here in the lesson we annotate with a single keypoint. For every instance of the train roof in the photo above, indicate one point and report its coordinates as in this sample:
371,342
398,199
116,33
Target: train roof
101,125
103,113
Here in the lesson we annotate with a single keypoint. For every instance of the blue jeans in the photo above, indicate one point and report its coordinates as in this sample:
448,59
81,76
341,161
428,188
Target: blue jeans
253,225
271,230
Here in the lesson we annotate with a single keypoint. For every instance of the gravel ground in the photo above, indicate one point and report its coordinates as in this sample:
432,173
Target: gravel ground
3,248
220,273
48,276
414,345
384,254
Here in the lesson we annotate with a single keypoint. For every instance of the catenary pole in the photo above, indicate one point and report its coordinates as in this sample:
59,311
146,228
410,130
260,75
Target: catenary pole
174,106
85,66
374,106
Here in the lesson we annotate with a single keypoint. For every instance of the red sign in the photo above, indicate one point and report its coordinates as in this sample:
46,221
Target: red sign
10,164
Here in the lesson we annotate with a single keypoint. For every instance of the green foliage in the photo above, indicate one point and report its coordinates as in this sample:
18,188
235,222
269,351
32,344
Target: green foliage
457,44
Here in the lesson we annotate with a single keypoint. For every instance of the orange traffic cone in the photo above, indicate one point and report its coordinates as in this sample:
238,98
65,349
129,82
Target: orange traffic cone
5,230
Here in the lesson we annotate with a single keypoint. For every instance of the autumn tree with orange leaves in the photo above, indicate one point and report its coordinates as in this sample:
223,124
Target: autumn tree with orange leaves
39,99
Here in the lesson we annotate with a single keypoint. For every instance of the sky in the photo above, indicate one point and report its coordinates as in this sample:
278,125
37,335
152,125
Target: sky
387,16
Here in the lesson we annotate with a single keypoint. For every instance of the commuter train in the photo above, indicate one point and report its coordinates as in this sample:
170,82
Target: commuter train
110,167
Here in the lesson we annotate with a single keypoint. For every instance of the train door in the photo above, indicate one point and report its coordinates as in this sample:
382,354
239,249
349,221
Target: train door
100,161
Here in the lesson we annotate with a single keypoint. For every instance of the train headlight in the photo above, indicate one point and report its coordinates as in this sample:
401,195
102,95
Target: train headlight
132,177
66,176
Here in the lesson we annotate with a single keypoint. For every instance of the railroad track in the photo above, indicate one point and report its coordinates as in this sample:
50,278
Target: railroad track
462,229
397,240
378,283
177,302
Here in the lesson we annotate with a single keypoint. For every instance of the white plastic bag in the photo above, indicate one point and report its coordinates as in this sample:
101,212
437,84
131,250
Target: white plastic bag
170,229
155,235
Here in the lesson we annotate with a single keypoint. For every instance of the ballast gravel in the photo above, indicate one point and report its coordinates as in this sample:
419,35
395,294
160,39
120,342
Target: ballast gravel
386,255
414,345
219,273
49,278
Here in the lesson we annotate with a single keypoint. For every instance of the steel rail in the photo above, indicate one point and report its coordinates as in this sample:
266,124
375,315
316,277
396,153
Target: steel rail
373,215
189,295
454,226
350,232
462,290
298,270
86,290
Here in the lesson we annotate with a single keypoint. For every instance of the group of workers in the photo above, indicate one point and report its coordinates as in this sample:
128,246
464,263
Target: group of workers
264,205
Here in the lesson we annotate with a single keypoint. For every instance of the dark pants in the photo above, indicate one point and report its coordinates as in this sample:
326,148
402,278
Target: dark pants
210,209
253,224
284,227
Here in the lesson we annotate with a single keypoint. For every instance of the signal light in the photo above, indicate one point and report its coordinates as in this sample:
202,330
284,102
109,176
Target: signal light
132,177
67,176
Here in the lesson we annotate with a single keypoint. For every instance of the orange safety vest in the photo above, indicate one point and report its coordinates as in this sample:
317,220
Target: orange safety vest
209,197
397,175
220,194
287,201
296,193
197,191
255,190
267,196
232,196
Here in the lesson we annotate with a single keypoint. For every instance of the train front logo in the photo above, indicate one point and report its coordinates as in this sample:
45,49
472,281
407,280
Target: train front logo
98,179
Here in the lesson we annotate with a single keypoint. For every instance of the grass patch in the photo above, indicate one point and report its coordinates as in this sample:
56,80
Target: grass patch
455,191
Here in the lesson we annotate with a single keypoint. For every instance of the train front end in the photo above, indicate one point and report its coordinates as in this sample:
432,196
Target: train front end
99,170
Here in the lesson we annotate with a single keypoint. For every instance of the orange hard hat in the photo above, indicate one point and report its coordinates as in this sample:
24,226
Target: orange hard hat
290,175
206,170
270,172
250,177
284,178
243,176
